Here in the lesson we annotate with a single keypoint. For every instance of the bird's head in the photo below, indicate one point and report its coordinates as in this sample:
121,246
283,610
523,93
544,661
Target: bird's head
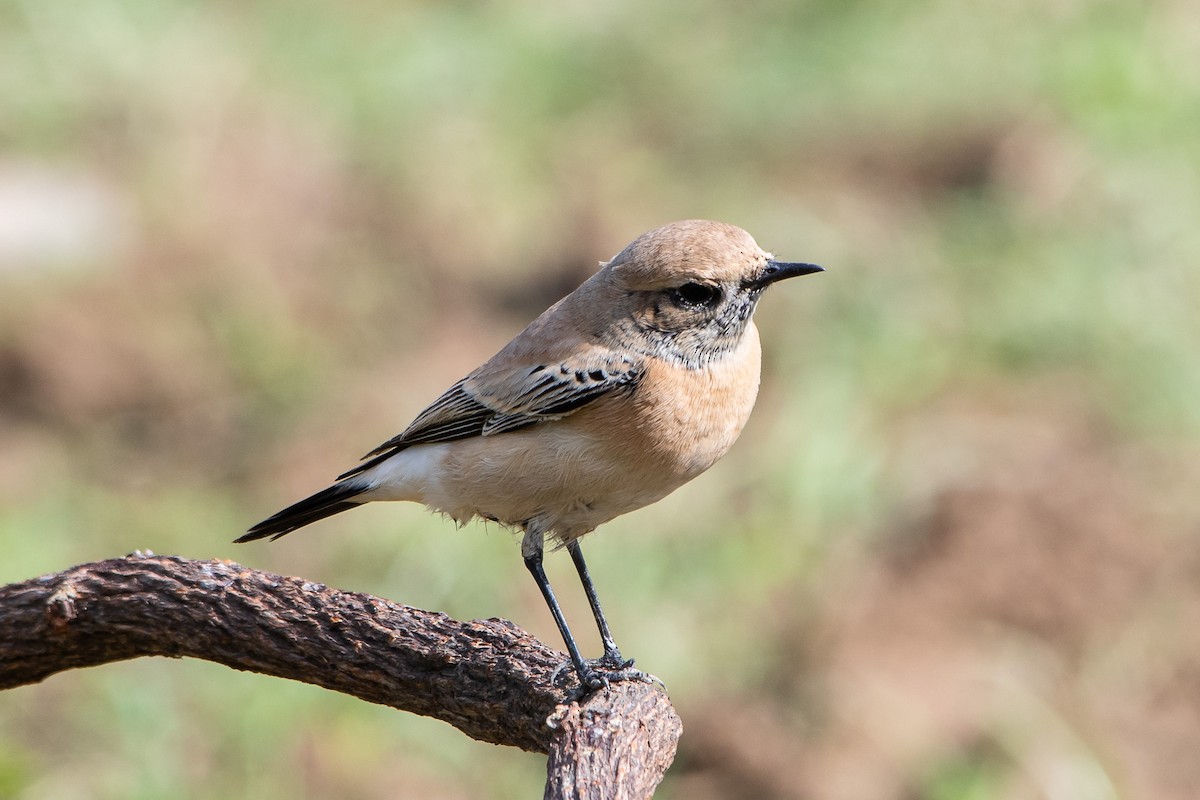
688,289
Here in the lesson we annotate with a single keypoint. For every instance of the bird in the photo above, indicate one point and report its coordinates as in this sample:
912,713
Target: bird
621,392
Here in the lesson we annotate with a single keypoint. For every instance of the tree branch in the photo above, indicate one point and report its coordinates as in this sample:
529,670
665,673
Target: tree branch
488,678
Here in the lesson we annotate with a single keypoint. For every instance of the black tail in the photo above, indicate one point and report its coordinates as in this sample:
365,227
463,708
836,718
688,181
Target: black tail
324,503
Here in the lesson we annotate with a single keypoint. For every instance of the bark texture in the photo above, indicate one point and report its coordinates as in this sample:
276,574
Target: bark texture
488,678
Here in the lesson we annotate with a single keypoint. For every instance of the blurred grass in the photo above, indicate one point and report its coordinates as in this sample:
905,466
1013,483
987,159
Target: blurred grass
318,216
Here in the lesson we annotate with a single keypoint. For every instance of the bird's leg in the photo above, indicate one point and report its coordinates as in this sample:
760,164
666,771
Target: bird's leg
531,550
612,656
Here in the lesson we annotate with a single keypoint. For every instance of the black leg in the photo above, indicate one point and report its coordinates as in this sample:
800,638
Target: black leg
533,562
612,656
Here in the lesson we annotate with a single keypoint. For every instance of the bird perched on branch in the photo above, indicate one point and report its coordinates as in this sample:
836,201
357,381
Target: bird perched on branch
617,395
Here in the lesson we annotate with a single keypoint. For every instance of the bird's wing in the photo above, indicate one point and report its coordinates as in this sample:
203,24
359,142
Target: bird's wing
493,400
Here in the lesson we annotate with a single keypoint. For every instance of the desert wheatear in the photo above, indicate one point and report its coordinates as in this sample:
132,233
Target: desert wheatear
618,394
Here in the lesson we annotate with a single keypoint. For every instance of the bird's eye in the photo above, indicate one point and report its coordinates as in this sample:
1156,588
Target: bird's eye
694,294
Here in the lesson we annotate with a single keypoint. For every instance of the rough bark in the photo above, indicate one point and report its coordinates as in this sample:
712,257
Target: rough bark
602,750
488,678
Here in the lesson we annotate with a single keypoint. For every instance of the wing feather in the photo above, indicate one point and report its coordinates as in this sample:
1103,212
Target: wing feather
498,401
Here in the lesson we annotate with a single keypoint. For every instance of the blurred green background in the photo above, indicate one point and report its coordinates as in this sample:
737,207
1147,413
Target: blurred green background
955,553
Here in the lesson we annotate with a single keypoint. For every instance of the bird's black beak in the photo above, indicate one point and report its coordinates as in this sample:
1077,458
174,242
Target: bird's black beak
779,270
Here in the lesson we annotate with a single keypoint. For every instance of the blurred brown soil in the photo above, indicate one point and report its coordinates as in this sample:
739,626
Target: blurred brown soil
1036,620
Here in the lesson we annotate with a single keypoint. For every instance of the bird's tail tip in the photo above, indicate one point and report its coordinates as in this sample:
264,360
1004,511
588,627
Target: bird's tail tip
325,503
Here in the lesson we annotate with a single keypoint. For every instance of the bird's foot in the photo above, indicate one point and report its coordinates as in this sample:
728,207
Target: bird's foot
601,672
613,661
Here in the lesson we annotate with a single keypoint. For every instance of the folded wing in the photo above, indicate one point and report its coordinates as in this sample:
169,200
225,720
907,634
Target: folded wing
490,401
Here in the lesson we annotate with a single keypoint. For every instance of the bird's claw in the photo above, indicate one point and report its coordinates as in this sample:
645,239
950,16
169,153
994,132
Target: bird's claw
612,661
601,672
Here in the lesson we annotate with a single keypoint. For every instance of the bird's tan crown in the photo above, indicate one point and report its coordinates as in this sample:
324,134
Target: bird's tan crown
694,249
